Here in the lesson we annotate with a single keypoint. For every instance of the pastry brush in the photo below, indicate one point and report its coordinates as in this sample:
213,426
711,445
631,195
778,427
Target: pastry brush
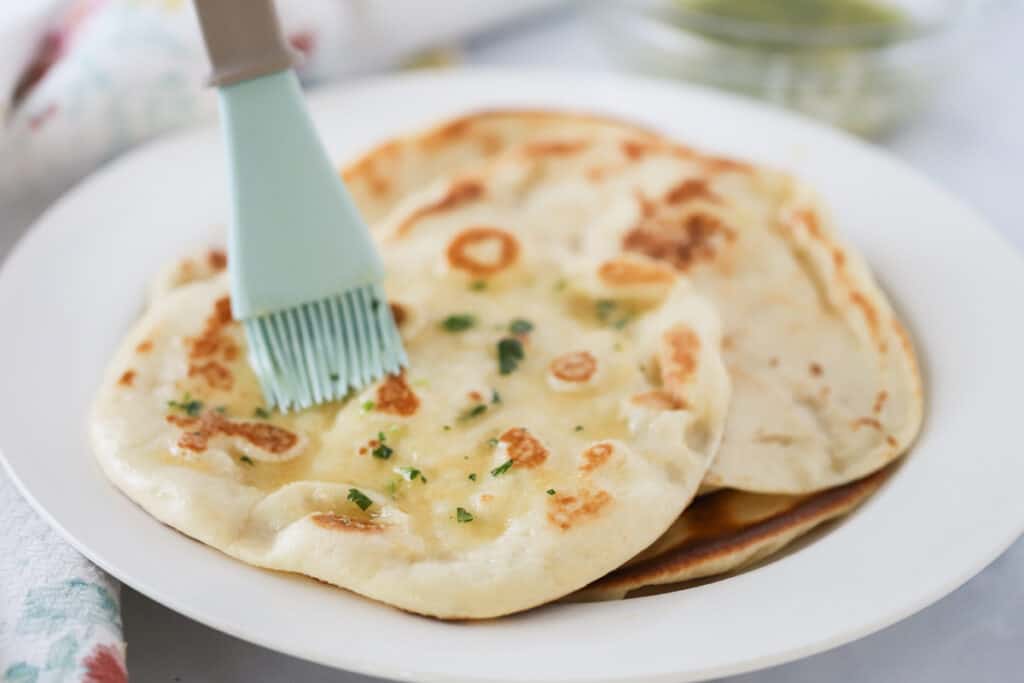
305,277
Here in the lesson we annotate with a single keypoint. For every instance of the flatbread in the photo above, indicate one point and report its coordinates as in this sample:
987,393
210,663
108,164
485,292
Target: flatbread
478,483
826,384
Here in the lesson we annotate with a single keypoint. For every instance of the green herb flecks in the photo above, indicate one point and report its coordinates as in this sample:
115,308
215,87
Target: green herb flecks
412,474
368,406
502,468
551,492
187,405
359,498
261,413
495,397
492,442
578,428
458,323
472,477
247,460
382,451
476,411
520,326
478,285
334,376
462,515
510,354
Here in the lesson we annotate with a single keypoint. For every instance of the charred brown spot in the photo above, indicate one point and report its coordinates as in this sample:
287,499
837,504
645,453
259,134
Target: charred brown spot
564,510
215,374
679,354
688,190
200,430
394,396
880,400
524,449
815,369
679,241
838,258
626,271
213,342
335,522
866,422
870,314
596,455
144,346
575,366
127,379
460,192
217,259
891,440
635,150
725,165
554,148
659,400
475,396
398,313
459,256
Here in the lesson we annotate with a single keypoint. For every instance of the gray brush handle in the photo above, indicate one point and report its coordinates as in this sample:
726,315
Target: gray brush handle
243,40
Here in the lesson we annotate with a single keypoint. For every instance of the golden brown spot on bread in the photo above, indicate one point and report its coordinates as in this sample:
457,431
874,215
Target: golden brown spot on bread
628,271
459,193
679,241
870,315
838,258
689,189
575,366
635,150
486,498
780,439
725,165
596,455
545,148
201,429
394,396
524,449
398,313
144,346
475,396
659,400
773,361
564,510
815,369
215,374
459,257
217,259
680,346
891,440
866,422
127,379
336,522
880,400
213,345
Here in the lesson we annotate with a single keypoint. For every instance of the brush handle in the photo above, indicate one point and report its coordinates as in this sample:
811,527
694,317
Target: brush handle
243,40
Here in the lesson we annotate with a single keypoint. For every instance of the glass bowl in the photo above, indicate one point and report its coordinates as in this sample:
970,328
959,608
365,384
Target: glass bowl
863,73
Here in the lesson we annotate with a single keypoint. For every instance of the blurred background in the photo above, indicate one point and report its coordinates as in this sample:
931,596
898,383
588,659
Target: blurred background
937,82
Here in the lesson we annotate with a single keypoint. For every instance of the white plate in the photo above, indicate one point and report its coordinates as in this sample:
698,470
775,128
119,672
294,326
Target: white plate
73,285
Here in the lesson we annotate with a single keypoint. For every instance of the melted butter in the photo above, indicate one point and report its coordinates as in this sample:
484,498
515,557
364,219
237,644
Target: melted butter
451,374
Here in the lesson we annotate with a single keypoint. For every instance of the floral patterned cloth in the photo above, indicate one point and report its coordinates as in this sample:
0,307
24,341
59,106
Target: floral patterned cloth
60,617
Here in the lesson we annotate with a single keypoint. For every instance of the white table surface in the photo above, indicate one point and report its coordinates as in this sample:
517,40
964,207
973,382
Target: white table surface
971,142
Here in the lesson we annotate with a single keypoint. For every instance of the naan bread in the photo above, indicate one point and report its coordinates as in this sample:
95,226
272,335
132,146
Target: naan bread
535,443
826,384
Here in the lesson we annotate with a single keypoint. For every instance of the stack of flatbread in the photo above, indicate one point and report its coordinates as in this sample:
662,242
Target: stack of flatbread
632,365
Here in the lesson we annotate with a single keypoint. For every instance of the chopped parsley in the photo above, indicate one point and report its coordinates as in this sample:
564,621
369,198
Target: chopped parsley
359,498
247,460
478,285
463,515
368,406
502,468
334,376
393,489
578,428
412,474
188,405
621,322
510,353
495,396
520,326
604,308
475,411
551,492
261,413
472,477
223,410
458,323
447,428
617,346
492,442
382,451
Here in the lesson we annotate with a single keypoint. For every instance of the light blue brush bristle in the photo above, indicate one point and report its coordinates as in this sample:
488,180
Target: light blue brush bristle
320,351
